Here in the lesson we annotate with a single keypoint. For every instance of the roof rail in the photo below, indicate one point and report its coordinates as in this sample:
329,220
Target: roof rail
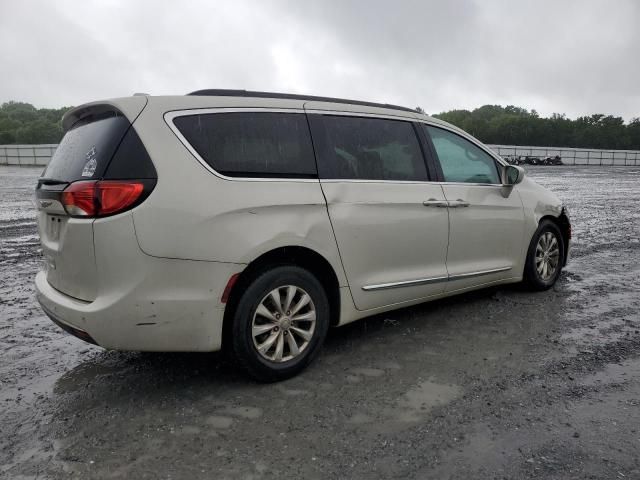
293,96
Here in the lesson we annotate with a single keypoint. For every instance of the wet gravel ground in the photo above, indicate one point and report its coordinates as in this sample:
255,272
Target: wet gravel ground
500,383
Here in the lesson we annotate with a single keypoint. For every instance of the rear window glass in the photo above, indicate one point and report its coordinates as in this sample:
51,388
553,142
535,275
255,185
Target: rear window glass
369,149
252,144
87,148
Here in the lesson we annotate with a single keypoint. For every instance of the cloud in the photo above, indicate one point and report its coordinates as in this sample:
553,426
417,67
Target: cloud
574,57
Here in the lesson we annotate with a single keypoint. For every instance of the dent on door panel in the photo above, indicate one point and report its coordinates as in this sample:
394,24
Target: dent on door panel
234,221
386,235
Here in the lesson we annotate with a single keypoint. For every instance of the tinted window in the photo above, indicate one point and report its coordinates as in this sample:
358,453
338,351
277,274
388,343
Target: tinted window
131,160
461,160
368,149
252,144
87,148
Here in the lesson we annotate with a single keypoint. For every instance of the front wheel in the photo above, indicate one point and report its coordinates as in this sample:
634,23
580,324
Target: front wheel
545,257
280,323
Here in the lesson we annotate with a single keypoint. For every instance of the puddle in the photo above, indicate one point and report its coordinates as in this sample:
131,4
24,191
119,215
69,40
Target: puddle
360,418
615,373
217,421
82,375
243,412
418,401
368,372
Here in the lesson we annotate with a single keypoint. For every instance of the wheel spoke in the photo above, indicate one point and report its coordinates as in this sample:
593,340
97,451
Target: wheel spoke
277,355
303,333
293,346
266,345
277,301
291,292
304,300
260,329
309,316
544,270
265,312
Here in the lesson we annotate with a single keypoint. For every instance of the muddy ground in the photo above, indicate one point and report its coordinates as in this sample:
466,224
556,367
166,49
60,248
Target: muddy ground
500,383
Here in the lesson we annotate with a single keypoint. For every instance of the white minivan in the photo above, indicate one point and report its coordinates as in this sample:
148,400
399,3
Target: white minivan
253,221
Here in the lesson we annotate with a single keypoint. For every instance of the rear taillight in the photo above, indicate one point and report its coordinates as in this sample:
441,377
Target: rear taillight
99,198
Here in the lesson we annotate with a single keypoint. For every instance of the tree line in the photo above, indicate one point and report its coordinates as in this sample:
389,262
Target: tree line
22,123
497,125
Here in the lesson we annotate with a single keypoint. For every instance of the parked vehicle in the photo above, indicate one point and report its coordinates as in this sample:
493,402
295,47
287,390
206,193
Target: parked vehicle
527,160
253,221
553,160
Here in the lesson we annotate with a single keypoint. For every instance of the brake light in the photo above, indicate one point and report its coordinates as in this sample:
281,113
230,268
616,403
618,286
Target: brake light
100,198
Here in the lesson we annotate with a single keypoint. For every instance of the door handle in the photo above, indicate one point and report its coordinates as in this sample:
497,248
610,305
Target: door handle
459,203
432,202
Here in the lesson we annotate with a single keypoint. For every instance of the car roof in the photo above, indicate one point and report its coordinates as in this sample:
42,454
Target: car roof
294,96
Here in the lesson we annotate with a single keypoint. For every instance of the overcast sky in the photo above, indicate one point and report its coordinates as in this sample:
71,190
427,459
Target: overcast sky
574,57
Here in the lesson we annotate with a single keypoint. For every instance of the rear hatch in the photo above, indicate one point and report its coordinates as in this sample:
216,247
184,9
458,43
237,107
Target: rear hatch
100,152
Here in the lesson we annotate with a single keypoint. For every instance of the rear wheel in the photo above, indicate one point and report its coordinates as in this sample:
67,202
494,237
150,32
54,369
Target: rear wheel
280,323
545,257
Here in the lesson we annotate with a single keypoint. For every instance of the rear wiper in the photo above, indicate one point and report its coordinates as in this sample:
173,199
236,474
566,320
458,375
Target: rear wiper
50,181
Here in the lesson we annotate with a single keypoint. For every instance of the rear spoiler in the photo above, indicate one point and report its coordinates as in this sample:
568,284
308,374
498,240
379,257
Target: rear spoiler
131,107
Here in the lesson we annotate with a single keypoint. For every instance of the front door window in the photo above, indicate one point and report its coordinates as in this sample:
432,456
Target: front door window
461,160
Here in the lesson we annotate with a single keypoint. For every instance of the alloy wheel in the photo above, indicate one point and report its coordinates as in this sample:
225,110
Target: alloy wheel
547,256
284,323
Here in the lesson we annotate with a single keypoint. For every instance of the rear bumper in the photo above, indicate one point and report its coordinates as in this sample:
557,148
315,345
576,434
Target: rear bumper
147,319
143,303
174,315
76,332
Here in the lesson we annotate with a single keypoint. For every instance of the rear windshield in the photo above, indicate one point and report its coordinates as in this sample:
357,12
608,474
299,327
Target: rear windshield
87,148
252,144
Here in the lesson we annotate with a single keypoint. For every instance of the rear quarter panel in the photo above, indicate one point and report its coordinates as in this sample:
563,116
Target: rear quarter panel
194,214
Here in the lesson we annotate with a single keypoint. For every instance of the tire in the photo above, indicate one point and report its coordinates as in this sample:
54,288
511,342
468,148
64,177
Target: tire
535,276
258,309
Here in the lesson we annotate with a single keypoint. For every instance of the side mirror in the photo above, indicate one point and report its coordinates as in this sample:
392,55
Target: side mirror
512,175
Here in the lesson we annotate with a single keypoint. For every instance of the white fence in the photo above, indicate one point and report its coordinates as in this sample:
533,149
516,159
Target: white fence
27,155
571,156
41,154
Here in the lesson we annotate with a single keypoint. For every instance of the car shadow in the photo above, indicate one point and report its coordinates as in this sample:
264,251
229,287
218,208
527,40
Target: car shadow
137,371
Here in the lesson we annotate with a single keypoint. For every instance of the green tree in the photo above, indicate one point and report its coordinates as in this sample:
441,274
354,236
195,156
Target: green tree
23,123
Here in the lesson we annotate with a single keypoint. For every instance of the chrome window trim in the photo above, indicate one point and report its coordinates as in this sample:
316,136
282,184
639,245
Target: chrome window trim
474,184
426,281
416,182
340,113
362,180
171,115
